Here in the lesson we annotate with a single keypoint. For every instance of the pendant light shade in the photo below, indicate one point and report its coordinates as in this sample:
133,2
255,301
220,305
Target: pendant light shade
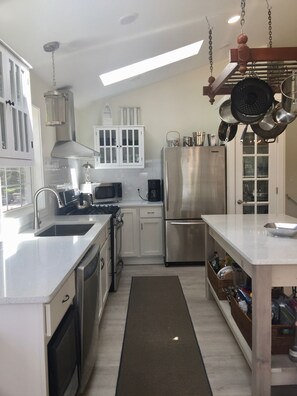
87,168
55,101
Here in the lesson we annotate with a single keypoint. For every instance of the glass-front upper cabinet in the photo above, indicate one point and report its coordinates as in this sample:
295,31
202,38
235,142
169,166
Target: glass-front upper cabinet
257,186
119,147
15,107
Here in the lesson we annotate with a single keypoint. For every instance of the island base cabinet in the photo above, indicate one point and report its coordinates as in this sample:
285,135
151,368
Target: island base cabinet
23,363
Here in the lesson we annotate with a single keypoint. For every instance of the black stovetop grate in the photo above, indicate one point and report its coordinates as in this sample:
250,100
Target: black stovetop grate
90,210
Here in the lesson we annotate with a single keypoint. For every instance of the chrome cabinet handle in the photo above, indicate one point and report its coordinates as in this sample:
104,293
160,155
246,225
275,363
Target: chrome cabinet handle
66,298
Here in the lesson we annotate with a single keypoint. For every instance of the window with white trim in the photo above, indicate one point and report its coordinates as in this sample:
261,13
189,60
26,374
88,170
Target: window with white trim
19,182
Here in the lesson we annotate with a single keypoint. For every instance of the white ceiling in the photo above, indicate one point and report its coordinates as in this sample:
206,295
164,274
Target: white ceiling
93,41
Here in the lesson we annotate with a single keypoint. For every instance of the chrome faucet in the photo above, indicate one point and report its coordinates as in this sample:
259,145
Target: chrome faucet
37,221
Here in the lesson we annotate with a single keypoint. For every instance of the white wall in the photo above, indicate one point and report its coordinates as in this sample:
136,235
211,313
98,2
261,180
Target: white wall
176,104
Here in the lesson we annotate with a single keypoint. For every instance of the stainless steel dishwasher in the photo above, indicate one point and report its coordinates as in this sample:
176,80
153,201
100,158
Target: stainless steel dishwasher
87,300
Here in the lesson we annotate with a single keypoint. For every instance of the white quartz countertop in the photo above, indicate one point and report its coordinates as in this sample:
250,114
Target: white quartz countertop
32,268
247,235
140,202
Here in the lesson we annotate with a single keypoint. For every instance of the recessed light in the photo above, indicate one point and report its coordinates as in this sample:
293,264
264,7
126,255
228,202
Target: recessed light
149,64
127,19
234,19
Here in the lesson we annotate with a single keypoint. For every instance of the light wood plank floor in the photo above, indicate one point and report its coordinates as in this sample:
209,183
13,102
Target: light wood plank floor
227,370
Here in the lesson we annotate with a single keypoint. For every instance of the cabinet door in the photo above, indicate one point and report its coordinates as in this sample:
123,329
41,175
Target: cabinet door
106,142
15,109
130,232
258,174
151,237
131,146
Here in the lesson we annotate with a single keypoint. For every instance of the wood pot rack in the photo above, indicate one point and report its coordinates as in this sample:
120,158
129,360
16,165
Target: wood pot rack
272,65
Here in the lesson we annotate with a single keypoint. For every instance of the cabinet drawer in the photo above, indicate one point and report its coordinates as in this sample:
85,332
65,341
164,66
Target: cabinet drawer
151,212
55,310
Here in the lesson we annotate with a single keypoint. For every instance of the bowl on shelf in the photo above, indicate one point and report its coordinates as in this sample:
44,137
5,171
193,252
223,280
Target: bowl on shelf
281,229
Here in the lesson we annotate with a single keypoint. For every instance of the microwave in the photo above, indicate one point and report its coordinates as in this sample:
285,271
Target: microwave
103,192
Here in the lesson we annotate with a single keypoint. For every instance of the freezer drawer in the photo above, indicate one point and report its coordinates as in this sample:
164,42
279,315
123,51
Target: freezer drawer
184,241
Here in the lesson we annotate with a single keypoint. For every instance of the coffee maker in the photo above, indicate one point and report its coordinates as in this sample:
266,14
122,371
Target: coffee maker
154,190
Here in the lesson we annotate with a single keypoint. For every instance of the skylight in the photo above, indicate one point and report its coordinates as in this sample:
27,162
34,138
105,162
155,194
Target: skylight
149,64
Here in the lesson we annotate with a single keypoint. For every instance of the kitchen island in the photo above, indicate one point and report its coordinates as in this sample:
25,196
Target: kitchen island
270,261
36,274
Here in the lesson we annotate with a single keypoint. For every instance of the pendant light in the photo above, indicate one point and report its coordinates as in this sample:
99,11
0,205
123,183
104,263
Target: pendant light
55,100
87,168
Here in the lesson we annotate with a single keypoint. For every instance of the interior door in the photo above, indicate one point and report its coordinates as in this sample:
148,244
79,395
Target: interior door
259,174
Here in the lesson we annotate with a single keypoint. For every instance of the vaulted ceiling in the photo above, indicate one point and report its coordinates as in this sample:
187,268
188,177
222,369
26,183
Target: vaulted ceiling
95,39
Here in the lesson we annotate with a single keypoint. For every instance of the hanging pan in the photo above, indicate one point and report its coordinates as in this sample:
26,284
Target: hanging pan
226,131
244,118
268,136
281,116
226,113
252,96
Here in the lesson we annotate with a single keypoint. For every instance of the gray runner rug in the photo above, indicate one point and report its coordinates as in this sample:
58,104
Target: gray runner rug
160,352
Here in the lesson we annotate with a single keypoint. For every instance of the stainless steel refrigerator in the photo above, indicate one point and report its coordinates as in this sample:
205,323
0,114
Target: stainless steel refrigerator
194,183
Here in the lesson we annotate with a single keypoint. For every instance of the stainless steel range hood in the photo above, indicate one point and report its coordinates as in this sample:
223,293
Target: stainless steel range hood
66,145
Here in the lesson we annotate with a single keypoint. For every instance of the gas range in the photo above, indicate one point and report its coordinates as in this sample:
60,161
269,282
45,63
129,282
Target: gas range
113,210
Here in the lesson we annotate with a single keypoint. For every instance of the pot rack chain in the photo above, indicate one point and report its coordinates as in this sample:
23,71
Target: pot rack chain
242,15
269,24
211,79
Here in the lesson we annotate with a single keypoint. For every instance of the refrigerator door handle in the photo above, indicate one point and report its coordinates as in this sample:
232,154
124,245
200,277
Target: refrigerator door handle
166,186
186,222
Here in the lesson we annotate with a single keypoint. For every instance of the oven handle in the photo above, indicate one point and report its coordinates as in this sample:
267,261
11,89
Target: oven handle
119,224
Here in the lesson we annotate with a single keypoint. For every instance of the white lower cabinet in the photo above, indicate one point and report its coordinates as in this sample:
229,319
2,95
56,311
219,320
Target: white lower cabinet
27,328
25,332
105,267
142,235
130,232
